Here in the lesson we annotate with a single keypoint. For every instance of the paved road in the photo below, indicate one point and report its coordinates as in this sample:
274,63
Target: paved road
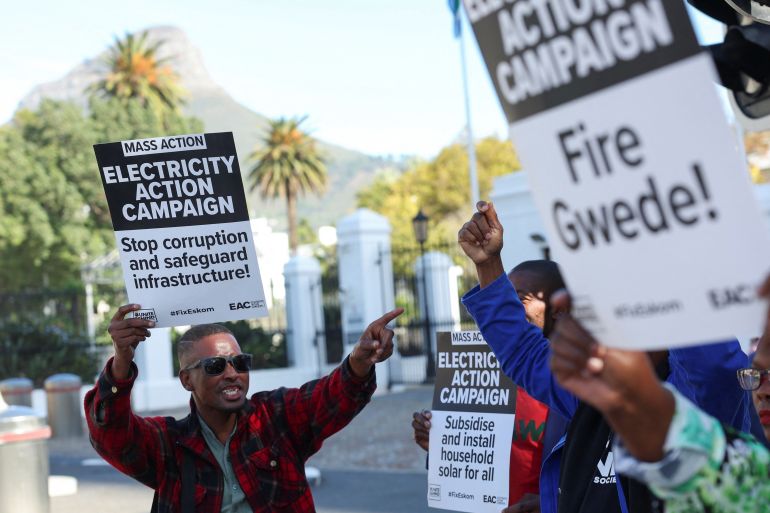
105,490
372,466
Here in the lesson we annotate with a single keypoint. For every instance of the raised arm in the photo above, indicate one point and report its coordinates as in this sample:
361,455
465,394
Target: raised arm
683,454
522,348
322,407
128,442
481,239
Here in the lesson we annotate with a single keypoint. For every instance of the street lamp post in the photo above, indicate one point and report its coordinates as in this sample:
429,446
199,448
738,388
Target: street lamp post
420,226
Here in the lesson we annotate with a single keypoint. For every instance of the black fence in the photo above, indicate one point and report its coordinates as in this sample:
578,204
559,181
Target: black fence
65,308
330,287
415,326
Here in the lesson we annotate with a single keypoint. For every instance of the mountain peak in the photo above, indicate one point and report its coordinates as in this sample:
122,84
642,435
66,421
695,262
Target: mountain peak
348,170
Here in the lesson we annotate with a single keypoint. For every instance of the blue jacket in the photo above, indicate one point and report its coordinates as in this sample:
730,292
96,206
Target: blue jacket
704,374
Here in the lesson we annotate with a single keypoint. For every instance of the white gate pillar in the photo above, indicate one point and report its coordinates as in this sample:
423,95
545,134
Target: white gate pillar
366,278
442,294
156,387
305,340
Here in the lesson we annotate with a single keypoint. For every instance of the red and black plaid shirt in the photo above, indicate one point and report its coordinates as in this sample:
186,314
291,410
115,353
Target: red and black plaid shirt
277,432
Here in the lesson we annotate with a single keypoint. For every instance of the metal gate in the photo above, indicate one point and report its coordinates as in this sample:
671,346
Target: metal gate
414,325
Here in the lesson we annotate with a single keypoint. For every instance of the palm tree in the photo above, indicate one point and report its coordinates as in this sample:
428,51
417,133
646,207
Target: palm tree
134,71
288,164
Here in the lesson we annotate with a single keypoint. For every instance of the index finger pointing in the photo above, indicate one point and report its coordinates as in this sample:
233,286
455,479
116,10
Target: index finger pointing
385,319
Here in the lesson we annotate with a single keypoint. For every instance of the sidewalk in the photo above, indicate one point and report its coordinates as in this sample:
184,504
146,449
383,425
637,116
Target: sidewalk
371,466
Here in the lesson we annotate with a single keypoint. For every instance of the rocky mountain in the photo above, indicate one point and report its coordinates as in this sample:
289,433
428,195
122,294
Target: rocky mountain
349,170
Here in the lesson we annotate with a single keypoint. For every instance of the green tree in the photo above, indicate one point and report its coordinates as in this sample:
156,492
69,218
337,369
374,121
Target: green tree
53,214
135,72
305,232
52,209
288,164
440,187
119,120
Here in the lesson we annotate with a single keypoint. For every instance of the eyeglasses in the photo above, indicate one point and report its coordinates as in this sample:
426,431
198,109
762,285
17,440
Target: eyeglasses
752,379
215,365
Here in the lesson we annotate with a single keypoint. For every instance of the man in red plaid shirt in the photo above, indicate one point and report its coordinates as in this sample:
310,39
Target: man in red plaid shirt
231,454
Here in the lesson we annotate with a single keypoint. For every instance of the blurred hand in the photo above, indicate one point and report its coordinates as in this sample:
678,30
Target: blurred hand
600,376
481,238
126,334
621,384
374,346
529,503
421,426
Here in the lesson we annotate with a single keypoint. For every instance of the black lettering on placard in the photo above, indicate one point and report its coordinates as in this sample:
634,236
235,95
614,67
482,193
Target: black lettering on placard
652,210
143,145
204,258
600,154
543,53
648,309
183,181
468,448
741,294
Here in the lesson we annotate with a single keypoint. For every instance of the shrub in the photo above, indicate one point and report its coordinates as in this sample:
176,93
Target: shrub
37,349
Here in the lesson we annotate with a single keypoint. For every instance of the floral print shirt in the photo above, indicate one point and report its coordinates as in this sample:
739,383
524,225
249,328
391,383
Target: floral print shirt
705,468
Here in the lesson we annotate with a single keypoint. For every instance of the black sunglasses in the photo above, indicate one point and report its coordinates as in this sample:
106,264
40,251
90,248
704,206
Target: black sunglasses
751,379
215,365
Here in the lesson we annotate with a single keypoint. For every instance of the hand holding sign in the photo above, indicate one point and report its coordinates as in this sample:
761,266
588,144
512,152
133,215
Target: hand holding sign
530,503
375,344
421,426
621,384
126,334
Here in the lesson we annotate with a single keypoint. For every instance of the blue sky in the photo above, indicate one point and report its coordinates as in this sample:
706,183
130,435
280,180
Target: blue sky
381,77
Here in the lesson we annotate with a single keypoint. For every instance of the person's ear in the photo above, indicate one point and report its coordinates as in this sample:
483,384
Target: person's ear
184,377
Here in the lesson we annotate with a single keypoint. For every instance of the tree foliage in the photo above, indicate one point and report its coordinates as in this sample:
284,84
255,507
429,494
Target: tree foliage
441,187
36,349
288,165
53,214
135,73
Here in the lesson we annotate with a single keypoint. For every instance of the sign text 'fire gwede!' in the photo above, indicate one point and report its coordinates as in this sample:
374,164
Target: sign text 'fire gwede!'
182,228
632,165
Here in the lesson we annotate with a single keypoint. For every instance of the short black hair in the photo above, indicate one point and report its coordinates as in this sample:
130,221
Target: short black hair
549,280
194,334
548,271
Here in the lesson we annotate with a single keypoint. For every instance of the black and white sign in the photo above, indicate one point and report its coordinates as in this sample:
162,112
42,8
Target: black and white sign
632,165
474,406
182,228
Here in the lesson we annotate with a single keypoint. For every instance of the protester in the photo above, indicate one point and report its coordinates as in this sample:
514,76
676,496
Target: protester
535,281
579,473
685,456
231,453
754,380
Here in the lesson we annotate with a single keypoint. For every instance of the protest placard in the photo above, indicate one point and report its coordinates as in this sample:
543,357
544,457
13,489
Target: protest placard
182,228
474,407
635,172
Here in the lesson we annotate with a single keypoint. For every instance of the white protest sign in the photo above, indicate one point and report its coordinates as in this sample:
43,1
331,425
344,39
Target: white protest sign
634,170
474,407
182,228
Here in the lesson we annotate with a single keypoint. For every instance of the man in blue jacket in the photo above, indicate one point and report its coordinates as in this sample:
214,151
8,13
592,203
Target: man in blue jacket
578,476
